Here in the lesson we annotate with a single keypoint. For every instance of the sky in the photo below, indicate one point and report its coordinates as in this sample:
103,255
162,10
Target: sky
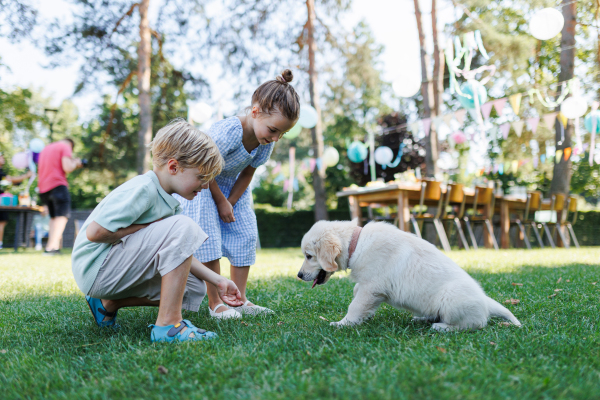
392,22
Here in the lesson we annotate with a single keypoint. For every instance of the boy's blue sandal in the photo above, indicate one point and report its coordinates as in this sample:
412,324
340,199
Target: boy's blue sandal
172,333
99,312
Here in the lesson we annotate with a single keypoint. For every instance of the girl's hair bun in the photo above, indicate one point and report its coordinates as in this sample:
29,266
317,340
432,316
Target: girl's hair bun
286,76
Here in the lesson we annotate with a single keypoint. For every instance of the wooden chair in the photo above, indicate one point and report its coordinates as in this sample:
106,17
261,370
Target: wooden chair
430,191
558,201
456,199
533,204
484,197
571,208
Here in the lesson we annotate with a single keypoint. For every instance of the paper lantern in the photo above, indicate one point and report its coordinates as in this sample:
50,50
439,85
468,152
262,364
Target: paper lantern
200,112
294,132
36,145
589,119
467,99
574,107
383,155
546,23
408,86
330,156
357,151
20,160
459,137
308,116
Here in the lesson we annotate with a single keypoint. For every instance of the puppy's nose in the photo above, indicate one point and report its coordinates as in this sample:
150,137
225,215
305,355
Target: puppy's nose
300,274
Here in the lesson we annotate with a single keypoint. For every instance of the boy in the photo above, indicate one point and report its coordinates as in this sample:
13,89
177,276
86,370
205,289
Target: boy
135,250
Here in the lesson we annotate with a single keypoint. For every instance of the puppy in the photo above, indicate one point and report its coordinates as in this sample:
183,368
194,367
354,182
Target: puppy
396,267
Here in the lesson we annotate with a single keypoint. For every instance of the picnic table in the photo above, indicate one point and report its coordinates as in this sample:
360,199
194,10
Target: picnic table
21,231
407,194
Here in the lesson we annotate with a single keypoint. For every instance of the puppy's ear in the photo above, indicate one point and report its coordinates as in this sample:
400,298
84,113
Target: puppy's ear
355,221
328,248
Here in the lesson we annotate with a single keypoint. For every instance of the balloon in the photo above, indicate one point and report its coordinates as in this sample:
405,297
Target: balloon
357,151
546,23
200,112
36,157
294,132
20,160
330,156
589,119
308,116
36,145
408,85
458,137
383,155
469,88
574,107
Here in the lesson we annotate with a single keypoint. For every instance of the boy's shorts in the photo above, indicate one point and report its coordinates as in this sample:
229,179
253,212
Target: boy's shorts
58,201
136,264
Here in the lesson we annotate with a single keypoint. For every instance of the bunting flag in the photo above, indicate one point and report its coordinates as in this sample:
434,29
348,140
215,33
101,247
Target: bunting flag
501,169
448,118
518,127
313,163
319,164
535,161
486,109
533,123
459,116
286,185
543,158
437,121
562,119
549,120
595,105
426,125
277,168
515,166
558,156
567,152
414,127
504,128
515,102
499,105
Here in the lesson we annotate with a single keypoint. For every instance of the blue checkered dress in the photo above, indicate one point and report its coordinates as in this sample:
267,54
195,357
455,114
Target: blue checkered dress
235,240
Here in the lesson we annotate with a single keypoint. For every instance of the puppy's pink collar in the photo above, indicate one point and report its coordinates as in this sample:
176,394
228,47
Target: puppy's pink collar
353,242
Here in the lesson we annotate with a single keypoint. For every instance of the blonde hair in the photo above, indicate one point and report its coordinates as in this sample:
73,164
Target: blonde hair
278,95
190,147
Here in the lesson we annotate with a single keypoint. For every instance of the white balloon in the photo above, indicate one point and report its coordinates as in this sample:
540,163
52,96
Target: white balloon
308,116
574,107
383,155
200,112
331,156
546,23
407,86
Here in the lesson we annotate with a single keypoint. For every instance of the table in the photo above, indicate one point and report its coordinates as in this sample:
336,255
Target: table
403,194
21,224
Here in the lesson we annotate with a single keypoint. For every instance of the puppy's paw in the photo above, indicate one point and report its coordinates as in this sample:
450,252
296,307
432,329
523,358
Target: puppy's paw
442,327
342,323
420,319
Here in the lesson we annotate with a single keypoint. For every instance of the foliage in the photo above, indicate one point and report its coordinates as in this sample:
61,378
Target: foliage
18,19
295,353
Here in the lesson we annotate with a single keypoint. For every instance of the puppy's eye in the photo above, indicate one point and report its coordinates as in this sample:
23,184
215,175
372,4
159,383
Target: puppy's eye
308,256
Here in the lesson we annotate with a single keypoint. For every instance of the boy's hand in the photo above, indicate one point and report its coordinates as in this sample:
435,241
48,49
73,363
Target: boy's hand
229,293
225,211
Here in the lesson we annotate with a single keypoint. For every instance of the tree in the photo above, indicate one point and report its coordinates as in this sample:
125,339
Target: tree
105,34
18,18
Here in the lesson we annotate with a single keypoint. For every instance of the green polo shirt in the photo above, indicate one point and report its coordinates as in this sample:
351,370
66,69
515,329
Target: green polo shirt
140,200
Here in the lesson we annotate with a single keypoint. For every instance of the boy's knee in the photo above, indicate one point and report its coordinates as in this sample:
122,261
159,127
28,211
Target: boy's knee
185,225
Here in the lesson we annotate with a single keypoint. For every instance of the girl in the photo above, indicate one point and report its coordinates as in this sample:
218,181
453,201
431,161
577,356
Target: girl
225,212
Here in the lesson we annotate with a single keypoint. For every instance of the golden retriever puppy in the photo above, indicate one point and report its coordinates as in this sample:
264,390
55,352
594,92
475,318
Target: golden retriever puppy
396,267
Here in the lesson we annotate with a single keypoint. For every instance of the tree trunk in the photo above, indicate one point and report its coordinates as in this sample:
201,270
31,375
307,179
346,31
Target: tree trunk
437,83
561,179
427,93
316,132
144,52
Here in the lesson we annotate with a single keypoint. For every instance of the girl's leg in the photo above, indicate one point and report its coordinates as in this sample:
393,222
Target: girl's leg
239,275
213,295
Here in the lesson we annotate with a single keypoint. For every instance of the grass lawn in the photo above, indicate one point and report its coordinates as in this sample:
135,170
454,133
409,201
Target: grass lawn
50,348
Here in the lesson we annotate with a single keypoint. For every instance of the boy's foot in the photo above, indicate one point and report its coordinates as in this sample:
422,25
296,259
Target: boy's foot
51,252
252,309
38,247
229,313
183,331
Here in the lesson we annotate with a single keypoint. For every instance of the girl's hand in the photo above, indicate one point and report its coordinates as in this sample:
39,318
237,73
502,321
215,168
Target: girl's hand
229,293
225,211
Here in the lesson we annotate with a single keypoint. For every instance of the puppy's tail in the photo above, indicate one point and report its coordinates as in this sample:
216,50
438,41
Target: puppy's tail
498,310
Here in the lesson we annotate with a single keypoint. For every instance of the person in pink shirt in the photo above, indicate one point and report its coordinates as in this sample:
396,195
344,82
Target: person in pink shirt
56,161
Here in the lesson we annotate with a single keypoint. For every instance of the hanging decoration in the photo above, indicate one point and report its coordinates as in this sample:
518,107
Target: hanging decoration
408,84
468,99
458,137
546,23
308,116
499,105
330,156
459,116
515,102
546,100
383,155
357,151
550,120
504,129
426,125
20,160
575,106
562,118
533,123
486,109
518,127
36,145
592,125
294,132
199,112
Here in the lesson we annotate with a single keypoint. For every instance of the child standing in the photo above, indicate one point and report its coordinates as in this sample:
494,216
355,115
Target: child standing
135,250
225,212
